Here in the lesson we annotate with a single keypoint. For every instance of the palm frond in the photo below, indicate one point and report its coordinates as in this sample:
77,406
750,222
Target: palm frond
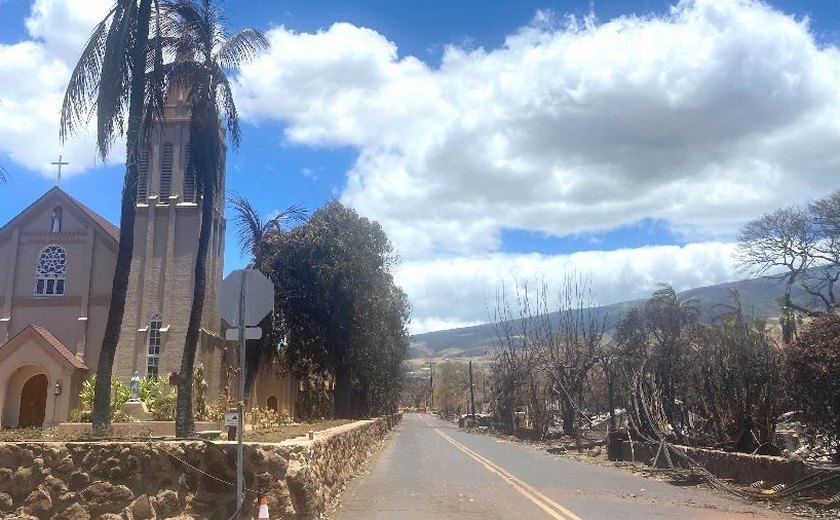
84,81
249,224
115,77
241,48
291,214
187,20
228,106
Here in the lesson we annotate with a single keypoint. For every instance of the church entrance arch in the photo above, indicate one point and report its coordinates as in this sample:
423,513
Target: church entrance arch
33,402
25,404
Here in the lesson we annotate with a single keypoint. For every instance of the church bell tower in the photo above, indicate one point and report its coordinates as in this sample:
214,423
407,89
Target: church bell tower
166,229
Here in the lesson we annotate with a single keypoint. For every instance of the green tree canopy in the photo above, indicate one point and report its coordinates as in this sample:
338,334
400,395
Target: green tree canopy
341,311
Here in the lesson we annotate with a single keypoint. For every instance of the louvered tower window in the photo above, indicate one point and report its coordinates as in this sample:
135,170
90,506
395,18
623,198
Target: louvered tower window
166,173
189,177
143,177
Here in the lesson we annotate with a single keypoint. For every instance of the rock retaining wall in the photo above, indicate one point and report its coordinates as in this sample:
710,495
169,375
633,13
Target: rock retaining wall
741,468
160,479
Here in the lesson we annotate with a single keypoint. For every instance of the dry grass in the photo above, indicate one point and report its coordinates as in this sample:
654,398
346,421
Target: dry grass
35,434
288,431
274,434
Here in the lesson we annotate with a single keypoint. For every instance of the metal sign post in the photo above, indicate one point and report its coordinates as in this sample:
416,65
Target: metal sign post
245,297
240,477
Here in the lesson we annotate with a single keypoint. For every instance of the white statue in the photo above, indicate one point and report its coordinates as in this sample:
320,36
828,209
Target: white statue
135,387
56,220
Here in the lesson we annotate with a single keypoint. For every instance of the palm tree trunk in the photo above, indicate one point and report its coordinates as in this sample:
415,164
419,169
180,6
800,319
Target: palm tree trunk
184,418
102,393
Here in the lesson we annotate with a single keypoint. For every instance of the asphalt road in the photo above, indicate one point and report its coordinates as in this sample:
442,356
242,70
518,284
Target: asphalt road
431,469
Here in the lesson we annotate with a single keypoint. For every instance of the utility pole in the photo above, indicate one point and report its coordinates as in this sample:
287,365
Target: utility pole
472,395
431,385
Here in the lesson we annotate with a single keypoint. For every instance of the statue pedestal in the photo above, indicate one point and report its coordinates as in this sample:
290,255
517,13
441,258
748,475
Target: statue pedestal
136,409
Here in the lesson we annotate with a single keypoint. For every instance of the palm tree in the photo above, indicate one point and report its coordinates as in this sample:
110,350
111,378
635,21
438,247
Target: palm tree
255,238
255,234
670,318
204,54
111,75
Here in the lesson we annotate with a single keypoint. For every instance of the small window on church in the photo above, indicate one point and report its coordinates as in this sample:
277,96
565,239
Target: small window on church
143,177
166,174
189,177
57,215
51,271
153,355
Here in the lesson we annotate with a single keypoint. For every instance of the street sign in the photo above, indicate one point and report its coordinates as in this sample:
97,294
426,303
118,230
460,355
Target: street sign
231,419
250,333
259,297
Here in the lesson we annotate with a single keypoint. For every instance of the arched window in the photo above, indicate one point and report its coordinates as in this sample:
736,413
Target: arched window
143,177
153,353
57,215
166,173
51,271
271,403
189,177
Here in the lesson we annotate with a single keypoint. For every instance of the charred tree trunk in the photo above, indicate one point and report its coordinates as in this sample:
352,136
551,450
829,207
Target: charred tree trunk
568,418
343,395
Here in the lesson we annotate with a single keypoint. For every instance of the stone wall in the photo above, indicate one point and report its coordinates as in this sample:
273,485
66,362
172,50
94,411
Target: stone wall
159,479
741,468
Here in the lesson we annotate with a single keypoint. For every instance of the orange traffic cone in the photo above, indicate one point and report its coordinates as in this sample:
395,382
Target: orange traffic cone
263,512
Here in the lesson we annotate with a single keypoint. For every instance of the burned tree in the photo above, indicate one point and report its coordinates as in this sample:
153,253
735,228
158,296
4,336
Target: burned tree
813,372
799,246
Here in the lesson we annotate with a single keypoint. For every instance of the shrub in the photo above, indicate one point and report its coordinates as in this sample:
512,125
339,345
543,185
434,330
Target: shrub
149,388
160,401
216,411
119,395
264,418
813,366
120,416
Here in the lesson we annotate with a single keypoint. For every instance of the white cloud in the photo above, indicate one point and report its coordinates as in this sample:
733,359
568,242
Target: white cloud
33,76
701,118
458,292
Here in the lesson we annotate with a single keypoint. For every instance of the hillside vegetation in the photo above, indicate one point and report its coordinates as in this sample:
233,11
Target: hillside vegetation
759,297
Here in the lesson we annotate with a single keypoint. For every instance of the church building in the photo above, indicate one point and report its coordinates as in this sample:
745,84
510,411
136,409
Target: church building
57,260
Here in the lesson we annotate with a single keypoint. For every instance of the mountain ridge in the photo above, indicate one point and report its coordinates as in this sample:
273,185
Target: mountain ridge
759,299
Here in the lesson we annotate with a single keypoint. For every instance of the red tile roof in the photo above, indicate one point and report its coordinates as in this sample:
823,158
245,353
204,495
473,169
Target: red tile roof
62,349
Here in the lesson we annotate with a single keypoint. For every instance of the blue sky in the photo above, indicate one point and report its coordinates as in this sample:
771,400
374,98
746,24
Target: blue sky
495,141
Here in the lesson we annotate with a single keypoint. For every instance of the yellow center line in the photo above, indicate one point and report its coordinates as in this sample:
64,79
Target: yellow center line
545,503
